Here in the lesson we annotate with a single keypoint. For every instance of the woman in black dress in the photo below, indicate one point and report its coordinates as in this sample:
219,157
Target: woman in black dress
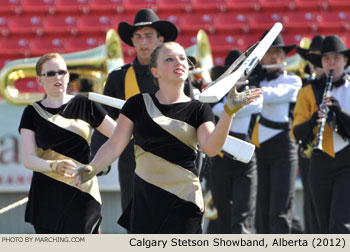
55,134
167,128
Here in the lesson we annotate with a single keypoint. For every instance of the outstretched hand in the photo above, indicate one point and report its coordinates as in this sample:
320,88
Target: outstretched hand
84,173
237,100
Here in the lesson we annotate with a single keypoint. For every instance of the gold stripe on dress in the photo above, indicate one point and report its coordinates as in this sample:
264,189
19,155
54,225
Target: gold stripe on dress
181,130
168,176
90,187
76,126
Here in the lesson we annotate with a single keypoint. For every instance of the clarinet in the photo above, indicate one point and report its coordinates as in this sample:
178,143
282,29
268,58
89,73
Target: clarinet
317,148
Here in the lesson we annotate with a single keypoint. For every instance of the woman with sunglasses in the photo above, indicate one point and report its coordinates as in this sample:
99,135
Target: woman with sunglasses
167,127
55,134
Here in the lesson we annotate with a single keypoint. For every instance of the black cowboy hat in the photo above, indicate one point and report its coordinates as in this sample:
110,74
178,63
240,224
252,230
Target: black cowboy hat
230,58
143,18
279,43
315,45
330,44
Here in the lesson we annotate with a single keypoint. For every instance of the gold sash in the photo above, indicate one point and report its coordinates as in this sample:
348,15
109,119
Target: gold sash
78,127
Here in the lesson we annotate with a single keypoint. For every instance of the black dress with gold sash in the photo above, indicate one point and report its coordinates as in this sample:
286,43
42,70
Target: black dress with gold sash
167,192
63,133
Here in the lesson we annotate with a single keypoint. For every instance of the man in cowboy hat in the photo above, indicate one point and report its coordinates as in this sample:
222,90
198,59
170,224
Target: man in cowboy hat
144,35
313,72
276,152
330,168
233,183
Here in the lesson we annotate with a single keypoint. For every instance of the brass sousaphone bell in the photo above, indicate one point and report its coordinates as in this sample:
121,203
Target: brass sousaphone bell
93,64
201,51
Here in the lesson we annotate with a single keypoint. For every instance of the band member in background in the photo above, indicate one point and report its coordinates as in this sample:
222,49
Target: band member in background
329,168
233,183
55,134
312,72
167,127
144,35
276,152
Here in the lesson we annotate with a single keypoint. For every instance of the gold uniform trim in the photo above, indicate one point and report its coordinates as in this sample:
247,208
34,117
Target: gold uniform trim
131,87
90,187
168,176
181,130
76,126
304,109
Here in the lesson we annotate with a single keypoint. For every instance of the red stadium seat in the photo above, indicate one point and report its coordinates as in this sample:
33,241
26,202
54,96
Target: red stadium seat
81,44
296,22
339,5
38,6
187,41
290,39
246,41
231,23
132,6
276,5
174,18
333,22
106,7
60,25
310,5
10,7
42,46
26,26
14,48
262,22
72,7
28,85
191,24
116,19
221,44
208,6
346,38
4,29
169,7
239,6
93,25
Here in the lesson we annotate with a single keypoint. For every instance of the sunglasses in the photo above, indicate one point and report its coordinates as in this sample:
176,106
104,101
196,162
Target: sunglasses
53,73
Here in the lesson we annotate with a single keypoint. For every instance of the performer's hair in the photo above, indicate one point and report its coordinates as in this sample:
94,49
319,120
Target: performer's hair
43,59
155,55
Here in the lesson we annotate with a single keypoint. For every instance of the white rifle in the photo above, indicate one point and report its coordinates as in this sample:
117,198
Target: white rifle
250,58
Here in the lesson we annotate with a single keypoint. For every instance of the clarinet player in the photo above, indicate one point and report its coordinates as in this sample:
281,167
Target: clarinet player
330,163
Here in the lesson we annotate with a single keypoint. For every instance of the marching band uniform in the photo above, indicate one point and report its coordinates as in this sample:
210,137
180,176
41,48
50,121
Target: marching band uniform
310,221
330,170
233,183
55,204
276,151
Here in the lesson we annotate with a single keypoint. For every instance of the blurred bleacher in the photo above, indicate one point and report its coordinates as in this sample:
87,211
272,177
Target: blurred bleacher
30,28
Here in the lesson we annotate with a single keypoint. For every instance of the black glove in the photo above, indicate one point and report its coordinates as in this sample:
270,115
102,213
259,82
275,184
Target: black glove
335,107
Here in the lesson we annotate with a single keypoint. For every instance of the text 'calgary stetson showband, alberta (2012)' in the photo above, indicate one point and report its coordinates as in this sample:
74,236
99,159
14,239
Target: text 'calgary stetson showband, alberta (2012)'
240,242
